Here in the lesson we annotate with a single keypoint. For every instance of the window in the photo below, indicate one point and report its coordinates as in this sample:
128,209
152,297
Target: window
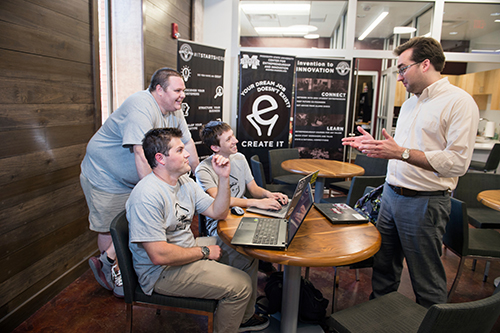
299,24
471,28
385,25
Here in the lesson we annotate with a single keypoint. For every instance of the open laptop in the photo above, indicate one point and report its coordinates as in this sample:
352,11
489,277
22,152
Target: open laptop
287,209
281,231
340,213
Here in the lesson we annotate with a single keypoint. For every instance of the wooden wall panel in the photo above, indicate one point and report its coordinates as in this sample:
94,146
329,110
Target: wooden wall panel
57,45
17,116
41,227
16,64
48,113
37,169
160,49
85,243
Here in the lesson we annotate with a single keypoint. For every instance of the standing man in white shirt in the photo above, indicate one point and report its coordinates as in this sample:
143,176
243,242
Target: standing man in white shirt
432,147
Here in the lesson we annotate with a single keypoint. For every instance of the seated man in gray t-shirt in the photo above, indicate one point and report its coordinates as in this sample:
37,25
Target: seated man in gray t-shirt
165,255
219,137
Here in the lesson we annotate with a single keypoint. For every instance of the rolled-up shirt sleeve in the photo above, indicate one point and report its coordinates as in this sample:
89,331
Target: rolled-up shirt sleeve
460,135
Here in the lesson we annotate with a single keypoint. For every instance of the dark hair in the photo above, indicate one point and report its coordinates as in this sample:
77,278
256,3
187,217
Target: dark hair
424,48
158,140
161,76
211,131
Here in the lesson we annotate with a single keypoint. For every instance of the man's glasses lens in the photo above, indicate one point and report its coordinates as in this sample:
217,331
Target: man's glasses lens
403,70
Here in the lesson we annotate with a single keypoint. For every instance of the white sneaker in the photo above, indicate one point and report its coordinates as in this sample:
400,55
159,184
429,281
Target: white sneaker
116,275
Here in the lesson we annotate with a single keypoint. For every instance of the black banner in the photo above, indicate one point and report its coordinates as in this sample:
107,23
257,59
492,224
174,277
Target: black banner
265,103
202,68
321,88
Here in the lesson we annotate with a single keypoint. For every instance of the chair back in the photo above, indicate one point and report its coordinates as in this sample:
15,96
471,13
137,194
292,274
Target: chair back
456,236
276,156
373,166
120,235
493,159
477,316
258,171
358,185
470,184
202,225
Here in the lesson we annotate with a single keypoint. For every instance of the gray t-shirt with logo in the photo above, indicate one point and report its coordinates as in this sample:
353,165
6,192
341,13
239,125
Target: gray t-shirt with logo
157,211
240,176
109,163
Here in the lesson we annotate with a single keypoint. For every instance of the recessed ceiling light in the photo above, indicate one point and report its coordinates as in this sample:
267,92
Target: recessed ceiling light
292,30
311,36
309,28
497,21
288,9
495,14
403,30
453,33
373,25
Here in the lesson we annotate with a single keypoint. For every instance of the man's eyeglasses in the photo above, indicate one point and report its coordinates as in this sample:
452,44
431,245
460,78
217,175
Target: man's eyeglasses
403,70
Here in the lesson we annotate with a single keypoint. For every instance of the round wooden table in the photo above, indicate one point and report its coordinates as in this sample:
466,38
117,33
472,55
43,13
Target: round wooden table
318,243
327,169
490,198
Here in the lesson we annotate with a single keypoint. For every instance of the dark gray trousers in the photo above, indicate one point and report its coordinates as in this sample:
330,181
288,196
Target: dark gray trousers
412,228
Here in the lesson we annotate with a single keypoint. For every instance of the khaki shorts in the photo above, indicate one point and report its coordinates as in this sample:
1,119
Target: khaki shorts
103,206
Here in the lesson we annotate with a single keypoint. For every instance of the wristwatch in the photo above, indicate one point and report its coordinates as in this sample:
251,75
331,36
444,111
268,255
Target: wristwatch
405,155
205,251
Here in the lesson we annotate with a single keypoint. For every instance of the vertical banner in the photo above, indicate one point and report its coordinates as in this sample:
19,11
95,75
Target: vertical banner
265,103
320,107
202,68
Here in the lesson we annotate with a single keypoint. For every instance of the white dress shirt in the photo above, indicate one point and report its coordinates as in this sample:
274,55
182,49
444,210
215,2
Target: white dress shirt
442,123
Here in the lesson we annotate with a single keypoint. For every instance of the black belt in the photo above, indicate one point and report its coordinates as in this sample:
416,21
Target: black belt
412,193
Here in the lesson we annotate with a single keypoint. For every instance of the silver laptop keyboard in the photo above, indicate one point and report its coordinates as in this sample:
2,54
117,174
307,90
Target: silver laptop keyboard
267,231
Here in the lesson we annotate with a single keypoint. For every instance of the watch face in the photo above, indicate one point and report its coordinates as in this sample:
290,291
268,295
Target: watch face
206,251
405,155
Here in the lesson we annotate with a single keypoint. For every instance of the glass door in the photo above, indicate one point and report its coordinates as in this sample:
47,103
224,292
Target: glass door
387,95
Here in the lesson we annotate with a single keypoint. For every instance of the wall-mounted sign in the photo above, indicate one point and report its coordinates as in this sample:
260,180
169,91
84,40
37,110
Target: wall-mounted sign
202,68
265,103
321,91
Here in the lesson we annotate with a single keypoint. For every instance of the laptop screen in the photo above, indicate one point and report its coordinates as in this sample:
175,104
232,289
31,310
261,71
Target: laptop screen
299,213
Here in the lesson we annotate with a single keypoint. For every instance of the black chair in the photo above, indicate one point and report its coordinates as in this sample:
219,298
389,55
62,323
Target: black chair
468,242
491,163
277,173
357,188
396,313
133,292
372,166
260,179
479,216
468,187
202,225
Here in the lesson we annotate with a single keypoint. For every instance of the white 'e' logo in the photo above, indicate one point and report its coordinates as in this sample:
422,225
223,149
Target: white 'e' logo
255,119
